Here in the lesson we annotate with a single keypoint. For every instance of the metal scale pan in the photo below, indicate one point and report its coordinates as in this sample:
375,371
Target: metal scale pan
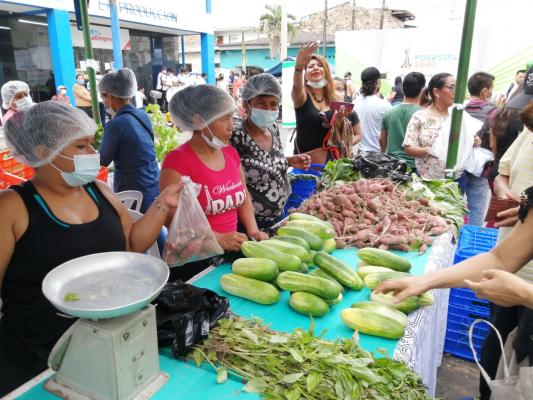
108,285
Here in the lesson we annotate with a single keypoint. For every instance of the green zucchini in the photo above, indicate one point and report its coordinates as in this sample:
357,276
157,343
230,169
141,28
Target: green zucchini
256,268
294,240
323,232
250,289
308,304
298,282
384,258
373,280
315,243
285,262
338,270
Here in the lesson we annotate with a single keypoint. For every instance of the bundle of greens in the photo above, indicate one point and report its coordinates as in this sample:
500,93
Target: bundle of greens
336,172
301,366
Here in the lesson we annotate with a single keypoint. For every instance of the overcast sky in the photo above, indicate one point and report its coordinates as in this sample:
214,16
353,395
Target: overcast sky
429,13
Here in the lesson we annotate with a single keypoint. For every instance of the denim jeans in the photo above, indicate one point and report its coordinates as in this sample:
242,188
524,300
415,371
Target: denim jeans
477,191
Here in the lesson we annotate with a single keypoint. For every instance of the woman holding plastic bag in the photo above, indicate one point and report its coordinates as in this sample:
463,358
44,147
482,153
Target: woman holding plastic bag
209,161
491,276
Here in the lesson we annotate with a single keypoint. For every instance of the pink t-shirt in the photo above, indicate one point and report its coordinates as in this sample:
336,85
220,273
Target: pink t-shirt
222,191
9,113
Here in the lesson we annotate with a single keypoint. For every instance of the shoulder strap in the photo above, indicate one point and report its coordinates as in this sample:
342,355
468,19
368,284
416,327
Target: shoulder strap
141,122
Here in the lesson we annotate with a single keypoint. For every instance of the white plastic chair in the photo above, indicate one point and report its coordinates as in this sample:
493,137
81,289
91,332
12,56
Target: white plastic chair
129,197
153,250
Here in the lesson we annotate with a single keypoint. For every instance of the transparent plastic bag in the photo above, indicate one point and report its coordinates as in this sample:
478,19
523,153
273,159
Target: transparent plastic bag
190,237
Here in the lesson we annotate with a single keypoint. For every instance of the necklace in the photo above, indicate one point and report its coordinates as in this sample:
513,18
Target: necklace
316,99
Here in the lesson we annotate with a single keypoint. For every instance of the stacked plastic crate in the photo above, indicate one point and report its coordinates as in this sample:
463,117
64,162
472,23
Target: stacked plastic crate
303,188
464,307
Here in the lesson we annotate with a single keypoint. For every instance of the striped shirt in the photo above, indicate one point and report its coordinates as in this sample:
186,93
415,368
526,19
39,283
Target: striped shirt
517,164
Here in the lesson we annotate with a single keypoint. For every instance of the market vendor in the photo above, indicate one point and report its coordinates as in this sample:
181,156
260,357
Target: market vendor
209,160
15,97
257,140
320,132
62,213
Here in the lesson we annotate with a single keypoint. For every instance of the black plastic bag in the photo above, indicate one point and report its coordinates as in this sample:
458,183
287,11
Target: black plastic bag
374,164
185,314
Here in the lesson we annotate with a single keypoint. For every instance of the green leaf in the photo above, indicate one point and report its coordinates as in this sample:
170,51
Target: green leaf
339,390
291,378
351,361
313,380
71,297
312,326
222,375
198,357
255,386
415,246
297,357
250,335
292,394
278,339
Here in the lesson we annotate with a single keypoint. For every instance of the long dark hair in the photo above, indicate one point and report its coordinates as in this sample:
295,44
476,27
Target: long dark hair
437,82
502,119
398,88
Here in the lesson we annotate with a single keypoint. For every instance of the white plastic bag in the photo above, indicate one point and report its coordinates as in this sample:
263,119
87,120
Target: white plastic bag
475,163
190,237
512,381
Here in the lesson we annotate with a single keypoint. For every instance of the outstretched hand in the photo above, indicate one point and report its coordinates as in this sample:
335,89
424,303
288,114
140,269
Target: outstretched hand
403,288
305,53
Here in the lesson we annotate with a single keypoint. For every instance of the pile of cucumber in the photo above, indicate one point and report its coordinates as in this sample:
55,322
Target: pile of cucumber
283,261
382,316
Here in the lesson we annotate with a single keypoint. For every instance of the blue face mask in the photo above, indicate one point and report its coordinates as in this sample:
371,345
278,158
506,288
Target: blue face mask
263,118
86,169
81,81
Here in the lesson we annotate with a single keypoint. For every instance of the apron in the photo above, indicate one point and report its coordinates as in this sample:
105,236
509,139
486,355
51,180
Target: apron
513,381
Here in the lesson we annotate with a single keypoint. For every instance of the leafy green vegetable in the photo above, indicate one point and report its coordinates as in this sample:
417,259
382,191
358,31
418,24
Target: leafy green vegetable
339,170
303,366
70,296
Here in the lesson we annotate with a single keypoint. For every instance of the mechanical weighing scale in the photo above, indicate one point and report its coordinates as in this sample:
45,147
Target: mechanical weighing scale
111,352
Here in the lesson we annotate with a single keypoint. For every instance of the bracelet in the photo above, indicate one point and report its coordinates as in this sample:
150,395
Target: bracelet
159,206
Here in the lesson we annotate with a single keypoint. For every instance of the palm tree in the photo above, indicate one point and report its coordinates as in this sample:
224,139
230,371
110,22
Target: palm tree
271,26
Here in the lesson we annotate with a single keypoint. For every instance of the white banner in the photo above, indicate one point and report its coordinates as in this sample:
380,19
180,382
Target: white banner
101,37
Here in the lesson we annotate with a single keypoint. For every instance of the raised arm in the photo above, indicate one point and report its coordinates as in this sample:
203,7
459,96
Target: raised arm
298,93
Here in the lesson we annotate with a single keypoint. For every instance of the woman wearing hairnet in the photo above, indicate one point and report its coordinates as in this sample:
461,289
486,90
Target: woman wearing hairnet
207,159
15,97
128,138
258,143
60,214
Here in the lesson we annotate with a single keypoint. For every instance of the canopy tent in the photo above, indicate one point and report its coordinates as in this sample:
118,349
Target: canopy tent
276,69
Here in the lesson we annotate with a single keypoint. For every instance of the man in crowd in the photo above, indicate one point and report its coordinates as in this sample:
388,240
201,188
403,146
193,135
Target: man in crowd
397,118
370,108
513,87
351,90
480,87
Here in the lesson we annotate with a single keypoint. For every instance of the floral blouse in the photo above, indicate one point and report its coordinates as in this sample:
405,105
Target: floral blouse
266,173
422,130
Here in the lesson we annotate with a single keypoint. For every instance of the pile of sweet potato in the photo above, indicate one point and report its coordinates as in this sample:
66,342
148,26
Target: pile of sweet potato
190,245
374,212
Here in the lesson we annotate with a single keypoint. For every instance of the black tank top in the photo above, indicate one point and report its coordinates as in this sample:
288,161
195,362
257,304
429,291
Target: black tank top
311,126
47,243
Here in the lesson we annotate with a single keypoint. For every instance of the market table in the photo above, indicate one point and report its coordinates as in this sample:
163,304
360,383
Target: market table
421,347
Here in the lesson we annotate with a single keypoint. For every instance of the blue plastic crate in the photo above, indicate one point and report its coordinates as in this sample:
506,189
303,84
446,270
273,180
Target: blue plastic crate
460,318
466,298
460,349
475,240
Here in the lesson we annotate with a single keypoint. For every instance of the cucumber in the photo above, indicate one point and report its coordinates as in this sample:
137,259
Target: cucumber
384,258
383,309
375,321
321,274
323,232
285,262
308,304
338,270
293,240
250,289
304,268
298,282
372,281
407,305
365,270
256,268
287,248
307,217
336,301
311,257
329,246
315,243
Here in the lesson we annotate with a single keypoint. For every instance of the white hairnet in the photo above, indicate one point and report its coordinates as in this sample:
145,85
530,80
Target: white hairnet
121,83
10,89
261,85
195,107
36,136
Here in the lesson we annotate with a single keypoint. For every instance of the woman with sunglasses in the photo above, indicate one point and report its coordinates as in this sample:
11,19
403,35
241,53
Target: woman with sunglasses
320,132
427,124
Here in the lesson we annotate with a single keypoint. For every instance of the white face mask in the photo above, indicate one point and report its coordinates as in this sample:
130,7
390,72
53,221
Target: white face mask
214,142
86,169
110,110
24,103
263,118
63,91
318,85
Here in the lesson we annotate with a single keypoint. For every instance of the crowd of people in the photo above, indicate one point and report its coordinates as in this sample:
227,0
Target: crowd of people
243,173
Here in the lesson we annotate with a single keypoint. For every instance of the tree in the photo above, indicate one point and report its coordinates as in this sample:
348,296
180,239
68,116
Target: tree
270,24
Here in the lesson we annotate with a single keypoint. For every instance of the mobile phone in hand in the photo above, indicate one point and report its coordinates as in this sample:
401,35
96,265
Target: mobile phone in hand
336,105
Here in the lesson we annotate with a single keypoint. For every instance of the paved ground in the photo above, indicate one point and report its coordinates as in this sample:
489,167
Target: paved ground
457,379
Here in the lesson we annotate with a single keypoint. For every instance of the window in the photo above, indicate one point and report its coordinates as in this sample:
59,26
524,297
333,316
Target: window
220,40
233,38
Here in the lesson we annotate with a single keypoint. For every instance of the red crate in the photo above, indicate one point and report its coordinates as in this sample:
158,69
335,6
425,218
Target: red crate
7,179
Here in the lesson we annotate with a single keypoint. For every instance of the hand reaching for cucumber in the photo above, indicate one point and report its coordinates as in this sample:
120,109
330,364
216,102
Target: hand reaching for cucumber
231,241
